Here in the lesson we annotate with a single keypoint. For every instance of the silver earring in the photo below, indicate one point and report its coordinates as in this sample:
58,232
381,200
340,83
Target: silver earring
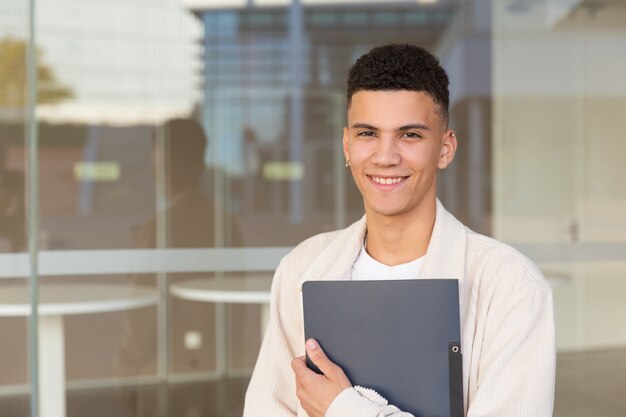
347,163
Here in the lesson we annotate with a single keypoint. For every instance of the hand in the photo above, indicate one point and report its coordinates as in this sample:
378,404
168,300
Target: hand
316,392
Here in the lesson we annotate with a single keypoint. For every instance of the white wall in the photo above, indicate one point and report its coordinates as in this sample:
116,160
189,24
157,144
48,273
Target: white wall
559,147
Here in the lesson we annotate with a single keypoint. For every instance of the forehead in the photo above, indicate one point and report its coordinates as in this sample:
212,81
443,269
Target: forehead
393,108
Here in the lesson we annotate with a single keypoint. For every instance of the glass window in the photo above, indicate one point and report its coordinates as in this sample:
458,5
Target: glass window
15,130
184,148
556,109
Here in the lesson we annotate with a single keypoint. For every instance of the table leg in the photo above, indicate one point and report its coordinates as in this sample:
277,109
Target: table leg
51,367
220,340
223,356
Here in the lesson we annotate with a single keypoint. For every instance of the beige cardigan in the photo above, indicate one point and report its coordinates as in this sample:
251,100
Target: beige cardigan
507,324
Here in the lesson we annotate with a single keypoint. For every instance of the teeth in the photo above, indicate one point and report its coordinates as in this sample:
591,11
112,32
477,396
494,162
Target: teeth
387,180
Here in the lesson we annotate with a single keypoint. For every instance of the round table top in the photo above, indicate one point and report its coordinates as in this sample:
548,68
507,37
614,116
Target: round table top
60,299
251,289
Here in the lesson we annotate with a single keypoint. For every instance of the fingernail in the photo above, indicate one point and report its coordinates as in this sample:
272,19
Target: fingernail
311,344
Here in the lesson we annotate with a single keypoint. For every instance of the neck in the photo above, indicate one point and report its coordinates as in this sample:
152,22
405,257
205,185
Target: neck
394,240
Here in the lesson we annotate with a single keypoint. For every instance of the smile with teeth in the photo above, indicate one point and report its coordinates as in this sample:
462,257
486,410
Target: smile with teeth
387,181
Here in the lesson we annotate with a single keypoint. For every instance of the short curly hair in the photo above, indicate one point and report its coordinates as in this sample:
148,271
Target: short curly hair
400,67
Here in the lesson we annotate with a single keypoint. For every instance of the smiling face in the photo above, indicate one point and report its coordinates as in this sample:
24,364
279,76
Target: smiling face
395,142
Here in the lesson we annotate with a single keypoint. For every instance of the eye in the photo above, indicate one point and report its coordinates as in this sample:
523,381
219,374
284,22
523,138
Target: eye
366,133
411,135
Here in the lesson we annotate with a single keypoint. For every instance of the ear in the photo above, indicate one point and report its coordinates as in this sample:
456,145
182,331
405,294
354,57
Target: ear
448,149
346,153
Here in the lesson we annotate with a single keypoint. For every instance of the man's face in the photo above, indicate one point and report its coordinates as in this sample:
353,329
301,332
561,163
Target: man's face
395,142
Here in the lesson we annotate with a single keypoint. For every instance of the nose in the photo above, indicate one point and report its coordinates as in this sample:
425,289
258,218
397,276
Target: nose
386,153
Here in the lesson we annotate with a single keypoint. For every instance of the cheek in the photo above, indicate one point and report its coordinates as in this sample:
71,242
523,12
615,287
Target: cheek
361,152
424,158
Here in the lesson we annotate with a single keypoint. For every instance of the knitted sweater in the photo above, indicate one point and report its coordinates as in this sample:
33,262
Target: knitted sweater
507,325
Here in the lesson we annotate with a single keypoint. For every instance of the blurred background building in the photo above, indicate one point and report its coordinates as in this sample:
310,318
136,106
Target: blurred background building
187,141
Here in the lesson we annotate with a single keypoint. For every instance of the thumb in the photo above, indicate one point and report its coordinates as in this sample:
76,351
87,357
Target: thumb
319,358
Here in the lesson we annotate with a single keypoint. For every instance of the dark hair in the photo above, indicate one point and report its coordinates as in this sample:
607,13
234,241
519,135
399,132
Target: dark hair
400,67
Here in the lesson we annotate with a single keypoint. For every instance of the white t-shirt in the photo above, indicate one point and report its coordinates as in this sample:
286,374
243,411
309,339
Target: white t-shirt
367,268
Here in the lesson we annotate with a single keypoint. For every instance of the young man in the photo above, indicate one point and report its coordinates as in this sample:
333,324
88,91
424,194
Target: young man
396,140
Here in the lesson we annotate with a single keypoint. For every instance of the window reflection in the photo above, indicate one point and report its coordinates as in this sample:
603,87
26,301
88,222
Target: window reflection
12,205
191,217
170,128
13,176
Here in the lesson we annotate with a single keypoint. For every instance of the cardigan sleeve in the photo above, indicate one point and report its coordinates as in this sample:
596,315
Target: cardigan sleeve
362,402
518,360
272,390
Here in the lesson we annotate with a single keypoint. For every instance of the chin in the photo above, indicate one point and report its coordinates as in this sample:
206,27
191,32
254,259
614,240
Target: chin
388,211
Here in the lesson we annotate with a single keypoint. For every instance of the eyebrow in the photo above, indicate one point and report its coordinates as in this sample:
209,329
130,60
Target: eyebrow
411,126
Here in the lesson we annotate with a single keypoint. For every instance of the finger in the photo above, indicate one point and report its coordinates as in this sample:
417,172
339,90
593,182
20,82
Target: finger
299,364
302,372
319,358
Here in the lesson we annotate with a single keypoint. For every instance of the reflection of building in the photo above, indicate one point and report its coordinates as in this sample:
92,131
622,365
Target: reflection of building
250,49
12,218
125,63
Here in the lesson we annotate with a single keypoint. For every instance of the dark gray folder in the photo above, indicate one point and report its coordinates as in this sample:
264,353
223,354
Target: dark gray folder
398,337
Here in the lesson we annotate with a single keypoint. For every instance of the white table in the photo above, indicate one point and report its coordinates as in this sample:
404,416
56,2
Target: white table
238,289
57,300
